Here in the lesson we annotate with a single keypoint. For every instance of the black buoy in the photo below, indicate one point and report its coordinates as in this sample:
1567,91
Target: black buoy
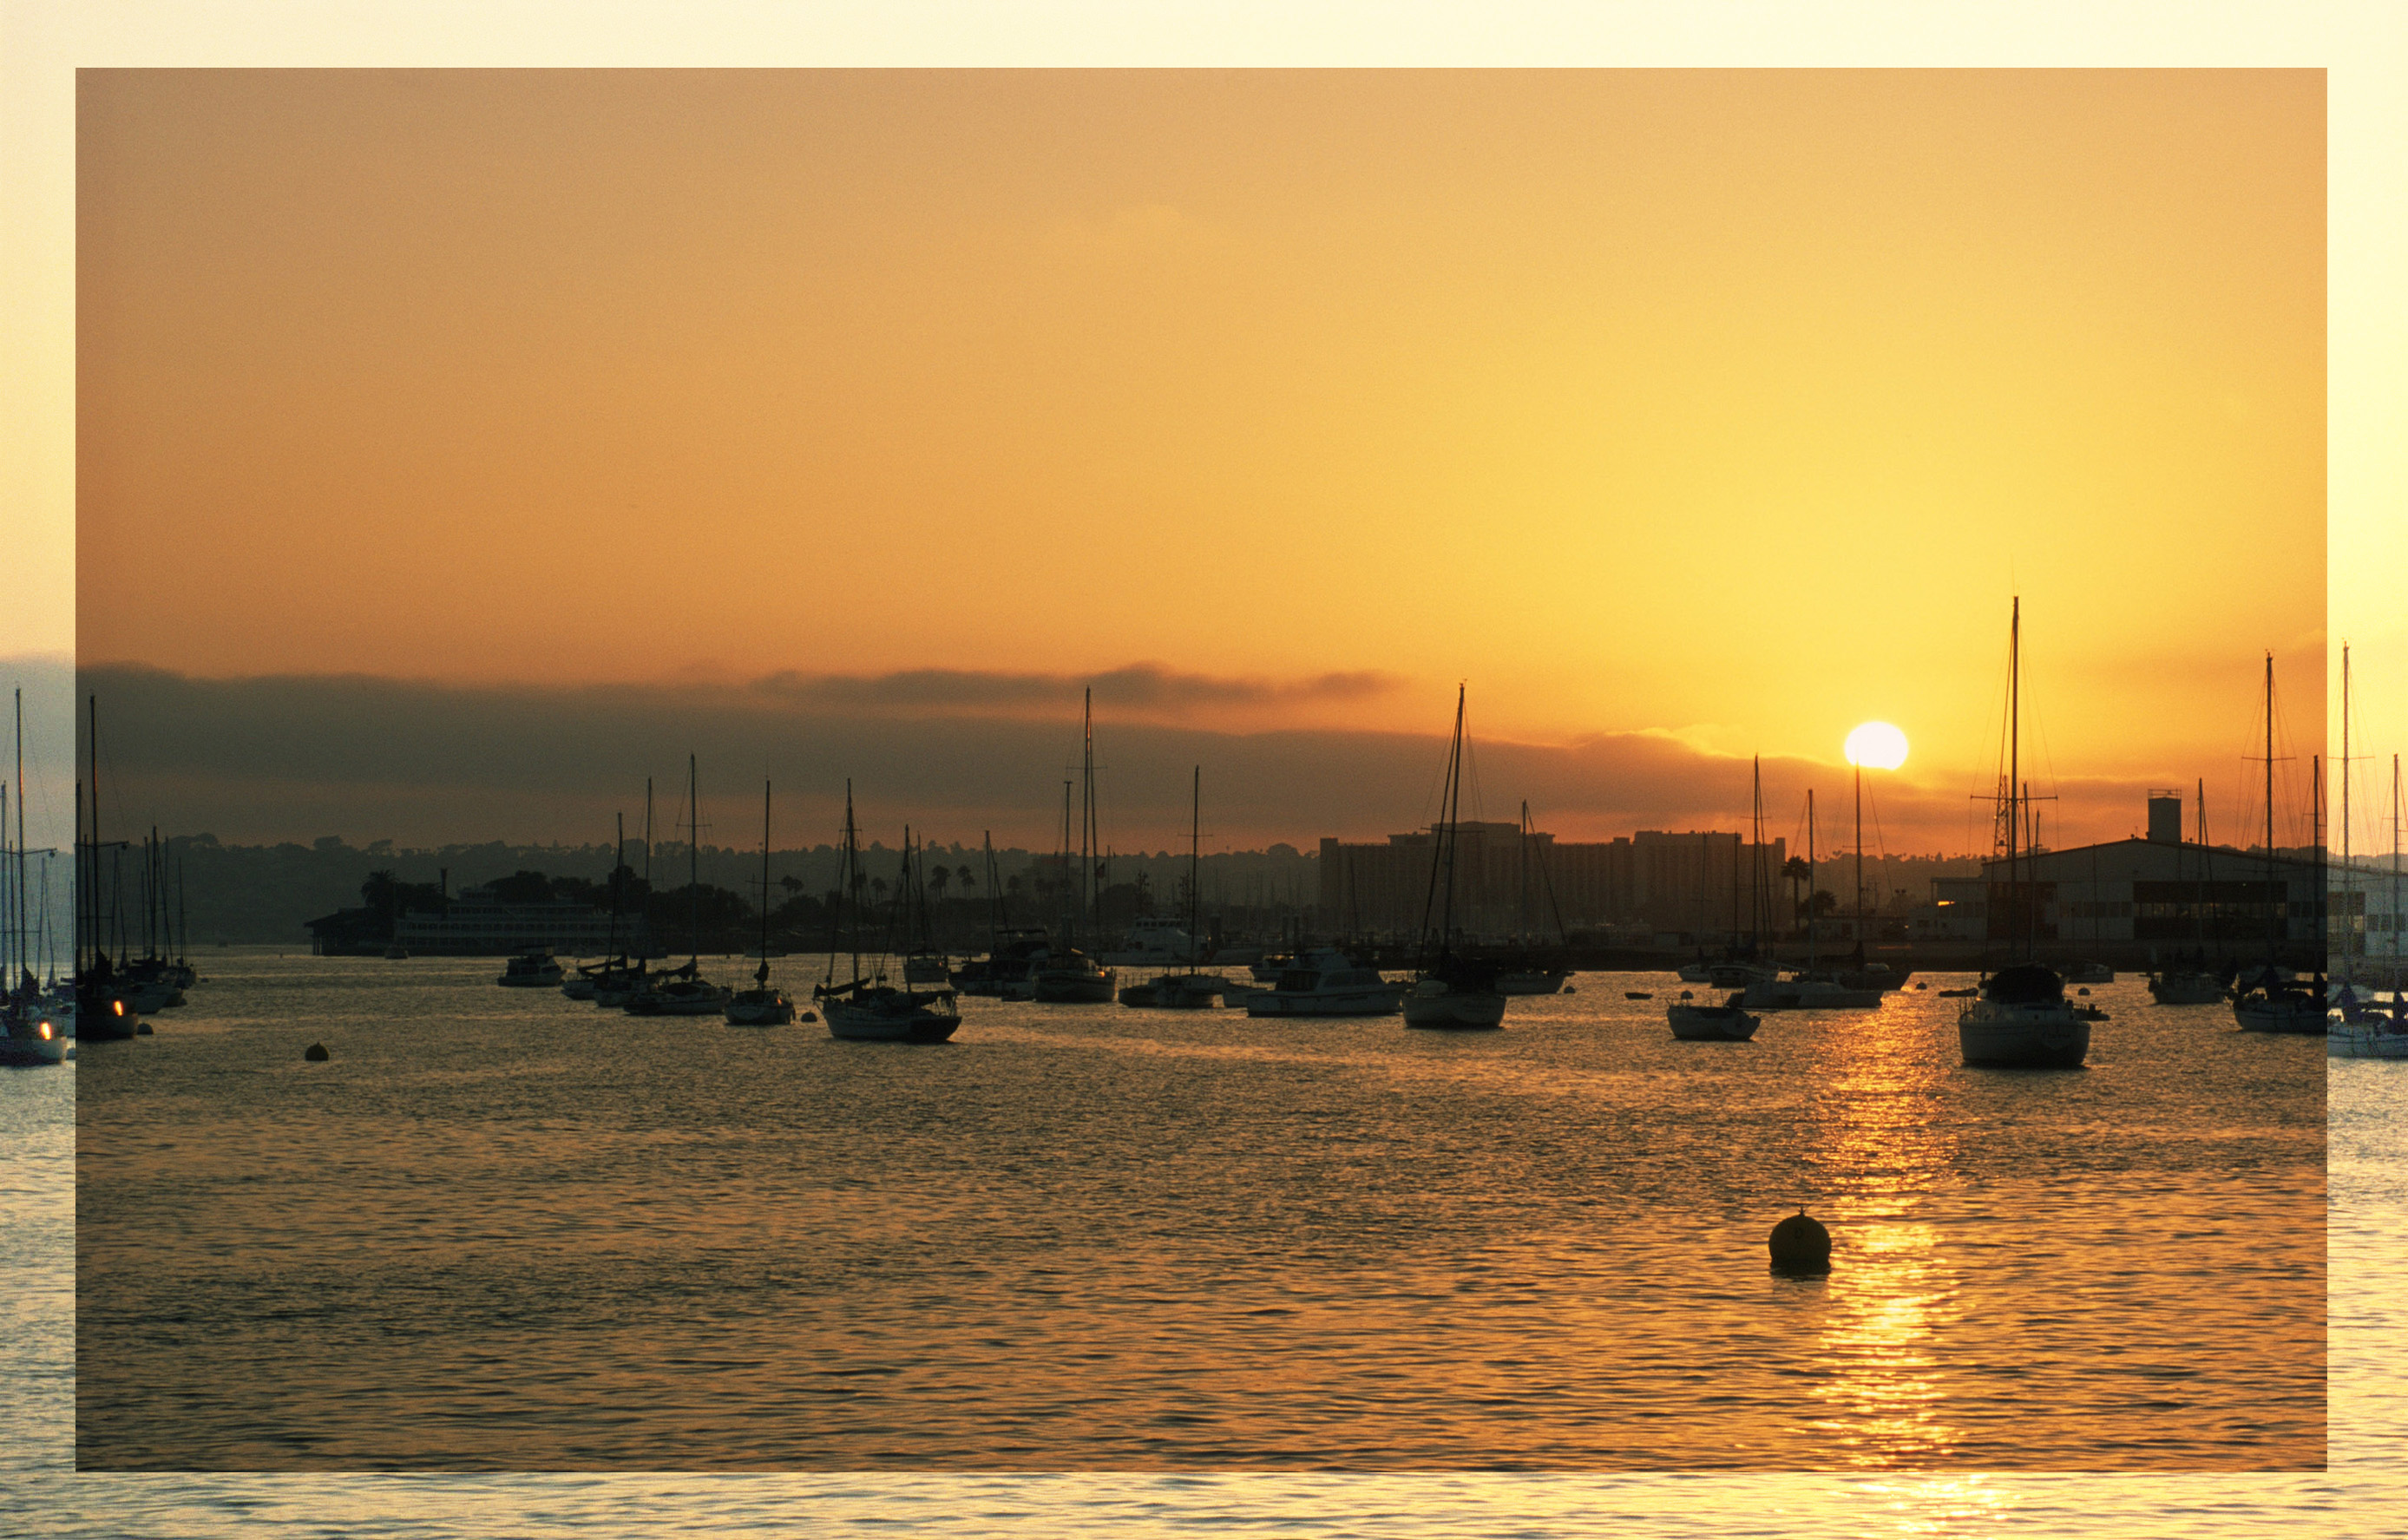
1801,1246
807,1016
142,1029
316,1053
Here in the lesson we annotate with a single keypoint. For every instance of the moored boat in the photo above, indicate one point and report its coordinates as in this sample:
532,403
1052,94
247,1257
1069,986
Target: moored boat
1450,991
764,1005
1724,1023
1188,990
530,971
1324,981
2022,1019
866,1007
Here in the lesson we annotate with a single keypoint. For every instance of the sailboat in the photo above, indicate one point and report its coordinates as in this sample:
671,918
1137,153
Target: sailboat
2022,1019
614,986
2270,998
1811,989
1731,1021
2371,1033
1449,989
1532,969
1012,950
1190,990
764,1005
866,1007
616,972
683,991
1068,976
924,960
28,1036
103,1013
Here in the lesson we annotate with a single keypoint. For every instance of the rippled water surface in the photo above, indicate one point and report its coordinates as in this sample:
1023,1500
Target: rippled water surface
503,1232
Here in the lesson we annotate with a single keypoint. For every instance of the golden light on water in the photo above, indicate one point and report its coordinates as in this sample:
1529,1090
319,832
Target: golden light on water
1876,746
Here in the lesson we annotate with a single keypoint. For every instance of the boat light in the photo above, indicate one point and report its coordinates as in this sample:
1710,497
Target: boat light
46,1031
117,1006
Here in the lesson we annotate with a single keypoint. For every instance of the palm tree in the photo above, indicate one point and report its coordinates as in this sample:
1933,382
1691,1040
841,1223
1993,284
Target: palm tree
963,874
938,879
1797,874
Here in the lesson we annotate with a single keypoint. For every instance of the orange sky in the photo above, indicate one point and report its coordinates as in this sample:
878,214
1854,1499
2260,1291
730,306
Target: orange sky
1733,406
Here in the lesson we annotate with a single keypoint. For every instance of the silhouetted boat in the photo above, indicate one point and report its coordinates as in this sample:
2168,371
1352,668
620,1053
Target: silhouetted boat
683,991
2022,1019
1327,983
764,1005
531,971
1727,1022
866,1007
1449,989
2271,998
1187,989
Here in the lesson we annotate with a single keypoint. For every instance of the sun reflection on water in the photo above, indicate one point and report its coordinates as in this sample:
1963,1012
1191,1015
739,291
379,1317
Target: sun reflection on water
1891,1295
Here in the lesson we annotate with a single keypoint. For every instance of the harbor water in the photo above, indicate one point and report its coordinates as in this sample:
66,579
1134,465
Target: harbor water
499,1231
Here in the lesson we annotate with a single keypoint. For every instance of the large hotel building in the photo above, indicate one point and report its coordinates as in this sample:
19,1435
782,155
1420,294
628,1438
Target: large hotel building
1508,883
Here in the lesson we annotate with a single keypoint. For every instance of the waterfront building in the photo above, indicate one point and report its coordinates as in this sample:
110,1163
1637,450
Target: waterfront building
1509,885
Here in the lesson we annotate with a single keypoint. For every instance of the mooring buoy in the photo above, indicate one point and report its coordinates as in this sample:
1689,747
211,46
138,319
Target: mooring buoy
316,1053
807,1016
1801,1246
142,1029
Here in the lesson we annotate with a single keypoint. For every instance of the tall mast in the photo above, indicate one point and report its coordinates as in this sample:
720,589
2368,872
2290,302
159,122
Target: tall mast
618,865
2275,904
2014,728
1861,853
1453,806
763,975
21,951
92,708
2348,883
1811,951
1090,832
1194,844
693,861
1756,864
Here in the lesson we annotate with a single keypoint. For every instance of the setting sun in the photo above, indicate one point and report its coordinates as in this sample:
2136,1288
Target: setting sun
1876,746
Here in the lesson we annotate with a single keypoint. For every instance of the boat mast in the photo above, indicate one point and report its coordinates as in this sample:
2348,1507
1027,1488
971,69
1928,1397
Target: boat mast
618,882
2348,883
1812,950
22,951
2275,904
693,865
763,977
1755,916
1442,849
1454,808
2016,920
1194,844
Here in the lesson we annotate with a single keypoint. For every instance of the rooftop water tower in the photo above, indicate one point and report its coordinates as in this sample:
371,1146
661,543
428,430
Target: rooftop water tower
2164,816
